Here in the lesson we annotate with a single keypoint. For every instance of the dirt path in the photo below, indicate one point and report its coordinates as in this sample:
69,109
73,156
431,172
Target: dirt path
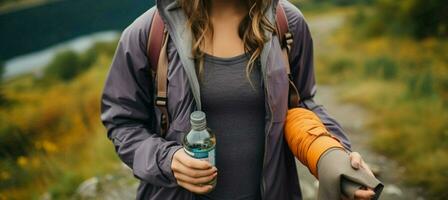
353,118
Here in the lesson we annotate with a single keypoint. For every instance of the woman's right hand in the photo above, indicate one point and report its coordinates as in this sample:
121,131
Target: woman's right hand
192,174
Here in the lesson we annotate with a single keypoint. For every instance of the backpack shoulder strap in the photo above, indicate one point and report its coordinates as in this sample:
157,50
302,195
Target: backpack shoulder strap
286,39
155,40
283,32
156,52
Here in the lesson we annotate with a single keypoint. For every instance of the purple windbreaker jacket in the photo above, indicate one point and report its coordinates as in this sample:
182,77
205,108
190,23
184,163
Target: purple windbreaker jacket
130,116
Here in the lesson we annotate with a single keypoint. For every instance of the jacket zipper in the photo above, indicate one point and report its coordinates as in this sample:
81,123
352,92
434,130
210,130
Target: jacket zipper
263,182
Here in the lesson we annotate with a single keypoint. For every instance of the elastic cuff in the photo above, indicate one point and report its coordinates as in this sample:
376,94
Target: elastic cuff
167,167
317,149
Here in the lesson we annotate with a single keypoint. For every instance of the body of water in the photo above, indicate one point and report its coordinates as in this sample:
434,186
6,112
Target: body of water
31,35
36,61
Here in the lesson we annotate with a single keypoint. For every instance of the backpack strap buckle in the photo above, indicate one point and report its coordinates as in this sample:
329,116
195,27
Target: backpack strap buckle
161,101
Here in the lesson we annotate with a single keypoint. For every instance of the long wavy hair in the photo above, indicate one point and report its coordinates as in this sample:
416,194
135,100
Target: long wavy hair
251,29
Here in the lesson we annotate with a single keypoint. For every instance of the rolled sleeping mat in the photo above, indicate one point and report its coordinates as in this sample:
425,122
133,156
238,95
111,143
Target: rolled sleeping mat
309,141
336,177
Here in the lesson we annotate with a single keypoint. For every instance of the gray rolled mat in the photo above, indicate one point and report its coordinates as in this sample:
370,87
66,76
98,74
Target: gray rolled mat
336,177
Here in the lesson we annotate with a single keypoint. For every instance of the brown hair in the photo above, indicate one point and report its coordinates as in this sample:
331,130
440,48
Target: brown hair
251,29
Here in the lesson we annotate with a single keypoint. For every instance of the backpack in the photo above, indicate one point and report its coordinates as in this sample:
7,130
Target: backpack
156,52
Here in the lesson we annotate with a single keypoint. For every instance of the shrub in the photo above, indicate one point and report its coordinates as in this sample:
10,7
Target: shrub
383,67
443,87
12,142
107,48
12,175
65,186
343,2
2,73
65,66
421,85
68,64
341,65
418,18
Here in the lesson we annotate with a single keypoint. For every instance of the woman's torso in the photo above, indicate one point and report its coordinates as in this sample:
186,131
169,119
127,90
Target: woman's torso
279,176
235,113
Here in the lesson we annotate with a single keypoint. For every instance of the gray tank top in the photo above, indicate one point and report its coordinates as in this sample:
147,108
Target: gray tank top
236,114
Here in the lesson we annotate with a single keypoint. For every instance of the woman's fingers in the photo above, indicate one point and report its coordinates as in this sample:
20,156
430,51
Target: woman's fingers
190,162
195,188
355,159
196,181
191,172
364,194
357,162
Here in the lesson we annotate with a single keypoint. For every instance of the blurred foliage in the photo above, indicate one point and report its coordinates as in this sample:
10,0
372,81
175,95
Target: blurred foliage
341,65
417,18
65,66
340,2
2,73
404,82
9,4
51,138
383,67
324,5
8,1
68,64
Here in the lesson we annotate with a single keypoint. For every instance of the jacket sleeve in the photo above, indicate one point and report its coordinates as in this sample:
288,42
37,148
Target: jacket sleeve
127,109
302,69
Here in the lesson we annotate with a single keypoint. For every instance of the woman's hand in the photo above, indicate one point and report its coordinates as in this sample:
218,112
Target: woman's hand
192,174
357,162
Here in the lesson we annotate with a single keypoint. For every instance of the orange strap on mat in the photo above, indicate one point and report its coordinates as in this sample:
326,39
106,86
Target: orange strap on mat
307,137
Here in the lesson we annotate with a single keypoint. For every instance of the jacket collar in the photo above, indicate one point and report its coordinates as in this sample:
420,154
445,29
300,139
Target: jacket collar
175,20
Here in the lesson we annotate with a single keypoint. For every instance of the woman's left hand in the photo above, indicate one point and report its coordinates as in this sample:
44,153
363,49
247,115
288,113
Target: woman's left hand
357,163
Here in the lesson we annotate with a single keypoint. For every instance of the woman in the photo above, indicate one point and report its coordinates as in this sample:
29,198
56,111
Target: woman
227,46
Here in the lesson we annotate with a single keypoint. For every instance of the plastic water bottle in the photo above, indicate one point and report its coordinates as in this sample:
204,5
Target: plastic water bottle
200,142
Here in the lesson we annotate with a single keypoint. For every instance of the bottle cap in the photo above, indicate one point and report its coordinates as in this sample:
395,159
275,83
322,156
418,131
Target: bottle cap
197,120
